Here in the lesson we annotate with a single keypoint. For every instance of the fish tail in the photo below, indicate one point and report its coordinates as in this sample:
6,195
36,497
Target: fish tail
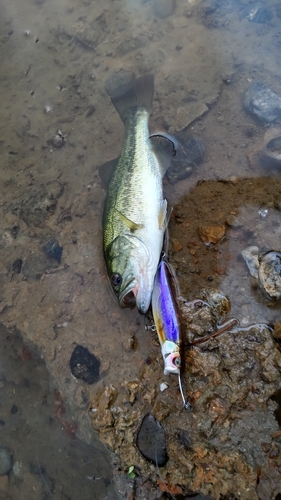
139,95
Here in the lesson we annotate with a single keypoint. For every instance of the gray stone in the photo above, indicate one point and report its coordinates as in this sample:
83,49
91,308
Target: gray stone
6,462
151,441
262,102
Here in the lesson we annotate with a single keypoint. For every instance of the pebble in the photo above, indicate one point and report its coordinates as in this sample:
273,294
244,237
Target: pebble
262,102
271,155
151,441
16,266
47,109
53,249
84,365
211,234
177,246
251,257
233,221
130,344
6,462
184,438
58,141
14,409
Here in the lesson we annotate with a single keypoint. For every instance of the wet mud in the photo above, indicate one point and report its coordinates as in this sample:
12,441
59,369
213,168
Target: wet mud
57,128
40,457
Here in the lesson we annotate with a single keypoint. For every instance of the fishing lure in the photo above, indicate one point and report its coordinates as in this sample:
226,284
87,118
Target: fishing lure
167,322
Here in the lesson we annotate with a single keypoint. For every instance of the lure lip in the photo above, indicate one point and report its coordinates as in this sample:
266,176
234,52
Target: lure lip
171,357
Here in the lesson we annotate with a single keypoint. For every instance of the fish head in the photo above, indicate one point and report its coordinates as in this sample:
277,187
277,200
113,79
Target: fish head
129,272
171,356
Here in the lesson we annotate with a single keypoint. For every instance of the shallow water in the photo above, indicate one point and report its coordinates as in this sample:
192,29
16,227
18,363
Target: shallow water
57,127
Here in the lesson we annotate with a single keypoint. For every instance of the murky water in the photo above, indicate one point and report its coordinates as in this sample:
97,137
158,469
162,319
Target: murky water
38,432
57,127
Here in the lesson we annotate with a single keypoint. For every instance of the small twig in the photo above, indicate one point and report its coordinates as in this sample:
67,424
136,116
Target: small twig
227,326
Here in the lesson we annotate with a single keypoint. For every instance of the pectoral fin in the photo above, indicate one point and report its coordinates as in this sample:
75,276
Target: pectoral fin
133,226
164,148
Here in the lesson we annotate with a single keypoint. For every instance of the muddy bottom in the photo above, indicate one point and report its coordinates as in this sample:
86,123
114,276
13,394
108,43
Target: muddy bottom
42,458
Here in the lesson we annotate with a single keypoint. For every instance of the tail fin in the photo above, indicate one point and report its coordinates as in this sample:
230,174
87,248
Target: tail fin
140,95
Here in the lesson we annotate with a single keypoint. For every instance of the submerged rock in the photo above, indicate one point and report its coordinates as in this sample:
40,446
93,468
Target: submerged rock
270,275
262,102
190,152
16,266
6,462
251,257
218,302
266,269
35,265
84,365
271,155
151,441
53,249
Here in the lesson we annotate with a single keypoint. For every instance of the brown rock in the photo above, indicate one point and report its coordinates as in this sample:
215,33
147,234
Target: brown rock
211,234
277,329
177,246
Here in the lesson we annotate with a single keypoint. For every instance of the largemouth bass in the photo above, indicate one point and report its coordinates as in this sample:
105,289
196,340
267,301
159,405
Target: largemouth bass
135,211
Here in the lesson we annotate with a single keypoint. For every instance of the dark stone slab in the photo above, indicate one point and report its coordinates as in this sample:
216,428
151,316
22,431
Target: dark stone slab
84,365
151,441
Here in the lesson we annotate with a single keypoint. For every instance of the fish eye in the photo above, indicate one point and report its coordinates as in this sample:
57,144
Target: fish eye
116,279
177,362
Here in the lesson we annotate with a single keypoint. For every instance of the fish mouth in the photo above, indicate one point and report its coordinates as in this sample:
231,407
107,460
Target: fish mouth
133,295
127,298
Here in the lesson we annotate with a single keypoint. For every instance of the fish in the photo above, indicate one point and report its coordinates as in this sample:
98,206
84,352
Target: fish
135,212
166,317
